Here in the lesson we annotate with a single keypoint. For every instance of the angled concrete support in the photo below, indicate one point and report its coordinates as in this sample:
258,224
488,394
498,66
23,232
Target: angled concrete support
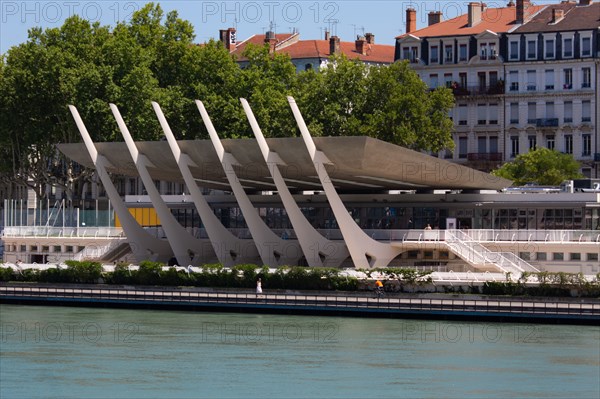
143,245
273,250
188,250
318,250
365,251
230,250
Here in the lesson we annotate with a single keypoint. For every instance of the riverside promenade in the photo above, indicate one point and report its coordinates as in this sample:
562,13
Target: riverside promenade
360,304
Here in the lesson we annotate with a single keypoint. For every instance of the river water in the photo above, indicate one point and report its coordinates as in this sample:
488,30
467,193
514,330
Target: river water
62,352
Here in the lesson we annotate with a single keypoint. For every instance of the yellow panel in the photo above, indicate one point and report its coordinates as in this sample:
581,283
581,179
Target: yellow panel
145,217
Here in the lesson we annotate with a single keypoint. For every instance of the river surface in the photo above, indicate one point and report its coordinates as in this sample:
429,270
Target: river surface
62,352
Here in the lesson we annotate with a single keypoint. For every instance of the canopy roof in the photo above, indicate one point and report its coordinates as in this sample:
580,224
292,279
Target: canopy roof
359,164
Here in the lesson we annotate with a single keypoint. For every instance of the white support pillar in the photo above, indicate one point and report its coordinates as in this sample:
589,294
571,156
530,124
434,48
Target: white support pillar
365,251
273,250
188,250
318,250
230,249
143,245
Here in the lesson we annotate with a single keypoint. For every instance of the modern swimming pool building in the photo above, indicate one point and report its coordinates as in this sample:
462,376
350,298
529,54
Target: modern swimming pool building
323,201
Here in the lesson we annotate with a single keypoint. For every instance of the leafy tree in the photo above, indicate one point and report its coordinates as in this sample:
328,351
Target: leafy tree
542,166
399,109
388,102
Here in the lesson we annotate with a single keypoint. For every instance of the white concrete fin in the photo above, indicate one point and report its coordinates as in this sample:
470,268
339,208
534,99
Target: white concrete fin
214,137
315,155
364,250
318,251
179,156
143,245
228,248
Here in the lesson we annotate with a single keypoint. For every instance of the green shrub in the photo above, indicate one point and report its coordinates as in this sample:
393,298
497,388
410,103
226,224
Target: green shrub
122,275
149,273
84,271
55,275
6,274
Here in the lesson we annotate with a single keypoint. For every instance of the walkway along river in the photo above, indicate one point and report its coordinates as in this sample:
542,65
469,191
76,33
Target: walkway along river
542,310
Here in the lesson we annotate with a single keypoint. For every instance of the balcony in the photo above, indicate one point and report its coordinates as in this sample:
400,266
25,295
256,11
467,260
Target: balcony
546,122
478,90
485,156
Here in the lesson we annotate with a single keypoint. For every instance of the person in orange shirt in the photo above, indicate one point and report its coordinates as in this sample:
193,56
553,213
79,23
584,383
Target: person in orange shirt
378,288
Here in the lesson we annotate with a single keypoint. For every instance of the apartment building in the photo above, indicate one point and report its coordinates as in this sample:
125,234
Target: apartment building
523,76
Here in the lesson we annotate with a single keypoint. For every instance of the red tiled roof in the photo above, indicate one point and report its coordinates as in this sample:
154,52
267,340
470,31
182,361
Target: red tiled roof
378,53
259,40
497,20
576,17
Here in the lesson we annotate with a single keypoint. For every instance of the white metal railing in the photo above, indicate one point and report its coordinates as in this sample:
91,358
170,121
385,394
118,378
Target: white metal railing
96,252
476,254
570,236
68,232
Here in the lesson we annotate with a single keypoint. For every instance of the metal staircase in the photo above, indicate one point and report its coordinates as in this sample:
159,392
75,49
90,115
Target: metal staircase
112,251
480,257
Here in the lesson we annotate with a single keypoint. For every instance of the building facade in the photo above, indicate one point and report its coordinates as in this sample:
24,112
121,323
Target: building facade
523,76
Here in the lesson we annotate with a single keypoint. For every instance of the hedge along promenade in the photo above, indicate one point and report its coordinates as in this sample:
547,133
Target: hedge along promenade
299,278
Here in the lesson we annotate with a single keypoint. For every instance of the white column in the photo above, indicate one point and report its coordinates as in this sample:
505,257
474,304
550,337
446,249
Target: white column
143,245
188,250
228,248
365,251
273,250
318,250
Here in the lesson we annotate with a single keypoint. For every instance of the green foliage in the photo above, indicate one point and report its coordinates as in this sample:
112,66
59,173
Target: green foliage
122,274
6,274
84,271
551,284
390,102
149,273
556,284
541,166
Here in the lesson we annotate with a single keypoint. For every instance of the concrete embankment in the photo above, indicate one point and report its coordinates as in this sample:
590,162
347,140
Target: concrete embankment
361,304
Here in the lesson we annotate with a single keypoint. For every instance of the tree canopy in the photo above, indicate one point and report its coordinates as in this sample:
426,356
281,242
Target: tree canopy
153,57
542,166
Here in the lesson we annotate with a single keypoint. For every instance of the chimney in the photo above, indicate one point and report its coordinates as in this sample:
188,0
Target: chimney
434,17
585,2
523,11
411,20
370,38
361,45
334,45
557,15
327,35
227,36
474,13
271,40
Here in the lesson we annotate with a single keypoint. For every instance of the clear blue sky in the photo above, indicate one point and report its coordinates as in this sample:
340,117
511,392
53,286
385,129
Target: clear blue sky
347,18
